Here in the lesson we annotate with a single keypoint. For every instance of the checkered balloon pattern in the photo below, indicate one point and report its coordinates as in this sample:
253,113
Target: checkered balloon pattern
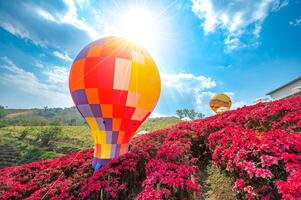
220,103
115,85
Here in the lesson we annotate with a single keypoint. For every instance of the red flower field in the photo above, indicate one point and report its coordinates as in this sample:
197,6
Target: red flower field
259,146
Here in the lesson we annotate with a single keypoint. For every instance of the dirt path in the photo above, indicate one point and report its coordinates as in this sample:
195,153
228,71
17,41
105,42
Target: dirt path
216,186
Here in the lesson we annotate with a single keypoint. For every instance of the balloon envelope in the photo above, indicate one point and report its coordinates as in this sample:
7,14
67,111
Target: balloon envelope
220,103
115,85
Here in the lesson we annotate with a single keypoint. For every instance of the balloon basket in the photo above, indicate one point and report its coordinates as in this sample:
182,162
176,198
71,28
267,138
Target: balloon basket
98,163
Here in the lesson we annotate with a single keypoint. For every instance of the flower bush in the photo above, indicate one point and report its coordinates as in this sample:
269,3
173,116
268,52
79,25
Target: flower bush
258,146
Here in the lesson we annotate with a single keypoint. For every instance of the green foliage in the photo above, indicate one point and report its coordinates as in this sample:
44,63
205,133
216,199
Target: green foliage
23,121
25,132
216,179
57,122
24,139
37,122
49,154
72,122
19,120
66,148
28,140
60,116
48,134
41,117
3,123
152,124
2,112
190,113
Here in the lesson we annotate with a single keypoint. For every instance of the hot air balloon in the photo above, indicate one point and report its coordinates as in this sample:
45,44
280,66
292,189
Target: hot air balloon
115,85
220,103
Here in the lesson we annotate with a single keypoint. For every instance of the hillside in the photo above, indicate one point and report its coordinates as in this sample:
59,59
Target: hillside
24,145
68,116
152,124
11,113
257,147
44,116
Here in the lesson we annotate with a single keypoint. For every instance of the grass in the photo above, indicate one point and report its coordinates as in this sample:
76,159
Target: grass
152,124
24,139
217,184
73,136
26,149
27,152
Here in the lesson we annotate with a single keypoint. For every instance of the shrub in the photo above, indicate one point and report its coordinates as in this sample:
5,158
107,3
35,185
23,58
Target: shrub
258,146
48,134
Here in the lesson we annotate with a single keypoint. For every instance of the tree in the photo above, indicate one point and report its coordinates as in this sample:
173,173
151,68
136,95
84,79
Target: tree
2,112
48,135
180,113
72,122
190,113
57,122
200,115
37,121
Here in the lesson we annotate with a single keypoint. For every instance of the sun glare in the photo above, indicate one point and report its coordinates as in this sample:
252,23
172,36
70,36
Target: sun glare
140,26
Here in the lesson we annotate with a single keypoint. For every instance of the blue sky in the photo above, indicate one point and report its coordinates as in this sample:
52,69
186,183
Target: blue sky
243,48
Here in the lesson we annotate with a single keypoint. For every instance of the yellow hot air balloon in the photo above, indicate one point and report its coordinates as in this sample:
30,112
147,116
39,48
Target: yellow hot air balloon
220,103
115,85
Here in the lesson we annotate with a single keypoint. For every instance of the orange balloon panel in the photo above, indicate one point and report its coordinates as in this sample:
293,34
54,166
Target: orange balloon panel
115,85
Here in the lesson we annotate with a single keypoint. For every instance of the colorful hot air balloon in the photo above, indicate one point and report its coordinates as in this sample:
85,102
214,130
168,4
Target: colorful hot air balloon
115,85
220,103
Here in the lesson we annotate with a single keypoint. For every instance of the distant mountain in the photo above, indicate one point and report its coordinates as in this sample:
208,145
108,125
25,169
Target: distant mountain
70,116
44,116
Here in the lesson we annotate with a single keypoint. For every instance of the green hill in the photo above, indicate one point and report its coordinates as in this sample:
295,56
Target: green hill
68,116
152,124
28,134
27,143
44,116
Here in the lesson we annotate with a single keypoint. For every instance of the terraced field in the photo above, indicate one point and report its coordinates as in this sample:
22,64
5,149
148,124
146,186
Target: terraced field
19,144
9,156
17,148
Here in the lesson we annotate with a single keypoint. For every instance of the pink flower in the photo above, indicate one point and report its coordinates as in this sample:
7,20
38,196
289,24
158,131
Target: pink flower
239,184
268,160
263,173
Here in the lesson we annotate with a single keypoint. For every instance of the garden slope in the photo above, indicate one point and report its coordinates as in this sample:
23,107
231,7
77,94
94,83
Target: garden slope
258,146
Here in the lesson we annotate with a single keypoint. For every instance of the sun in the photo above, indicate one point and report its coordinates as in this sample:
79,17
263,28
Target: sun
139,25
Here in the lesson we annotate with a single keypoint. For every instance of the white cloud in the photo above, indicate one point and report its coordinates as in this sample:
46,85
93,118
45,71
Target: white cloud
30,84
238,104
21,31
190,87
57,75
46,15
202,102
38,65
296,22
70,17
156,115
187,82
63,56
279,4
44,24
235,18
233,43
81,3
196,89
257,30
